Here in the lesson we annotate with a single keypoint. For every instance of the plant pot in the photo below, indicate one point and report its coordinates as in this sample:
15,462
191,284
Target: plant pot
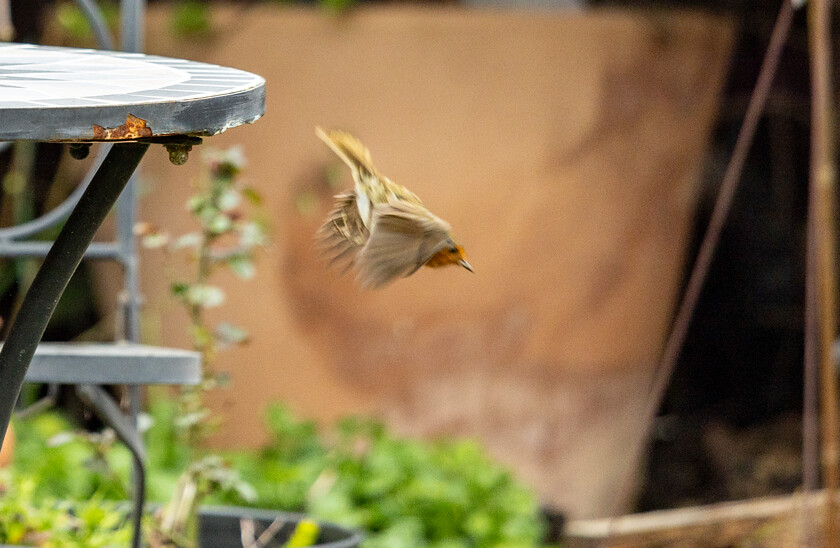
220,527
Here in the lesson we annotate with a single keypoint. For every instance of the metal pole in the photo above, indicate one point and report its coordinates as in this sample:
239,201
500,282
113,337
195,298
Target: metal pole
132,24
59,265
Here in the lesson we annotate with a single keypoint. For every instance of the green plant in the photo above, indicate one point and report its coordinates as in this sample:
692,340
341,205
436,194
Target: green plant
71,466
176,523
401,492
226,238
75,25
190,19
46,521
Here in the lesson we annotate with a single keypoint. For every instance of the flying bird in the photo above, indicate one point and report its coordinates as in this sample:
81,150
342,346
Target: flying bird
379,228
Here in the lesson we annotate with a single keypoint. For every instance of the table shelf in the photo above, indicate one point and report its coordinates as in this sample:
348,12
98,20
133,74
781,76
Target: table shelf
113,363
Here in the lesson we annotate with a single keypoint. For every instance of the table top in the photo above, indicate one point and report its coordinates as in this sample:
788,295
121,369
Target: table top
69,94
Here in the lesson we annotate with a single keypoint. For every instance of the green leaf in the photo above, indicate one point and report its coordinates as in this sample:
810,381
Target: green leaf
205,295
196,203
60,439
202,337
229,199
252,235
252,195
219,223
179,290
242,266
246,491
73,21
190,18
154,240
191,419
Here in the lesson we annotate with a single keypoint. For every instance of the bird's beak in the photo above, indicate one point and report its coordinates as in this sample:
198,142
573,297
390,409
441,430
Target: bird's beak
465,264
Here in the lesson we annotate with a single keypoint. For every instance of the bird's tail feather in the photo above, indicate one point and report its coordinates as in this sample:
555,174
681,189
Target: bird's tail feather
348,148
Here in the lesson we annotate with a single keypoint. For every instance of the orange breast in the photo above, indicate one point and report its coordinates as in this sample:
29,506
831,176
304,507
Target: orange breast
441,258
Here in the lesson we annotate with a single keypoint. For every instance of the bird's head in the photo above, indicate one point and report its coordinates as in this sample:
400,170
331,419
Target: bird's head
451,253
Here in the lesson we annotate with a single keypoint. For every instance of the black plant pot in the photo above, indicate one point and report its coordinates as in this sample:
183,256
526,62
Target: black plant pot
219,527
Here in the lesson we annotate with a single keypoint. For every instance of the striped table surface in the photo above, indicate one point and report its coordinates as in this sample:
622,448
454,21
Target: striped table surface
69,94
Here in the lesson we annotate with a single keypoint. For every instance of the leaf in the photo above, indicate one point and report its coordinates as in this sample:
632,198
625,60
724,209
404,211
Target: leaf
151,236
208,296
251,235
179,290
191,419
190,239
245,490
225,163
60,439
252,195
242,266
229,334
144,422
201,336
229,199
219,223
196,203
155,240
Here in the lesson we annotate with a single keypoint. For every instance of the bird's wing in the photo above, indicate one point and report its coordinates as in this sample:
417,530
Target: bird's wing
403,238
343,234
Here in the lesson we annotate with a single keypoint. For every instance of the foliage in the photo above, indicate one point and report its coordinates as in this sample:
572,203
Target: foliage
75,24
401,492
47,521
337,6
190,19
67,465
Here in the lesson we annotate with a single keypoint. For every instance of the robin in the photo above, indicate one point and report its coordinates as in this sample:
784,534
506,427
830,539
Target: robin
381,228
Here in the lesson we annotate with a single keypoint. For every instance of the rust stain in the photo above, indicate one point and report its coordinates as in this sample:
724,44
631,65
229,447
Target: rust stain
133,128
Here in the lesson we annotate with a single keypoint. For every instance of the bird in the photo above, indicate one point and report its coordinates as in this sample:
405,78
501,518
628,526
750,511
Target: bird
380,228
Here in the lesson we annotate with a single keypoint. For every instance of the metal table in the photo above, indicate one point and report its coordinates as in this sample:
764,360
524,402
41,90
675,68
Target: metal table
126,101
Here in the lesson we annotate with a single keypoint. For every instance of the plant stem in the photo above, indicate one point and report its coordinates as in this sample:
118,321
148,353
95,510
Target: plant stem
823,193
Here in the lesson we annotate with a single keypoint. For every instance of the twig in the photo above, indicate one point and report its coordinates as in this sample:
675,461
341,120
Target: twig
271,531
248,532
720,212
822,195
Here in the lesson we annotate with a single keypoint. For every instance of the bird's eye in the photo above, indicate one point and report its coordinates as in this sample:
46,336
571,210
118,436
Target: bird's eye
453,249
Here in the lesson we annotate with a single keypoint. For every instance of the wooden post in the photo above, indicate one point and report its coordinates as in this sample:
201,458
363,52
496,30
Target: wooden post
823,193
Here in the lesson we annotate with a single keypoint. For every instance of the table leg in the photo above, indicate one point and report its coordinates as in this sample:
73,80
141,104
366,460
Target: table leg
59,265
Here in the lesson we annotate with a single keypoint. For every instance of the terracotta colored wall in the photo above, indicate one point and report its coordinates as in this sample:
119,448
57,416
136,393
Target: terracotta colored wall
565,152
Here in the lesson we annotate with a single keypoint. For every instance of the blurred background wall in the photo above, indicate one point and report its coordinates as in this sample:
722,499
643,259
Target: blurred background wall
566,151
